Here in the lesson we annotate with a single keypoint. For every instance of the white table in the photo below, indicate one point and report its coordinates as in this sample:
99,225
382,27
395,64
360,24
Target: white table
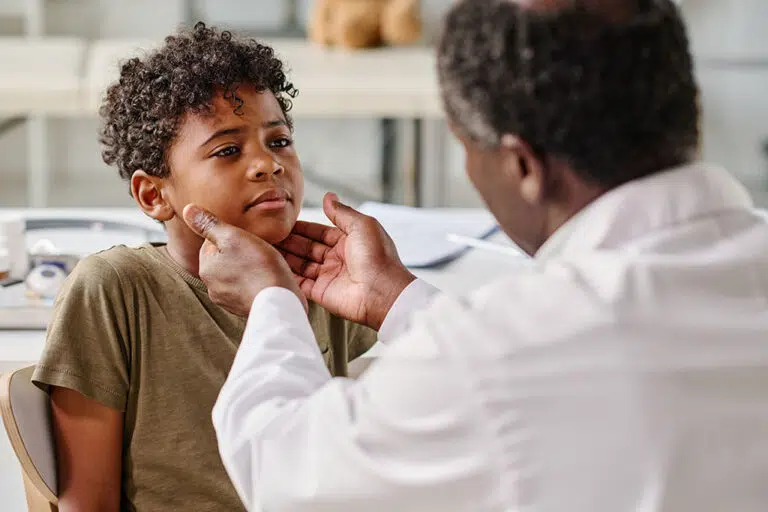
21,348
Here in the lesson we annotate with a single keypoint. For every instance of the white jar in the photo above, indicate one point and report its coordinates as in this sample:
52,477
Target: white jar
13,239
45,281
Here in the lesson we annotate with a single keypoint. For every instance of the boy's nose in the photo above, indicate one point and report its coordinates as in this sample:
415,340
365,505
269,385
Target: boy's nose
265,171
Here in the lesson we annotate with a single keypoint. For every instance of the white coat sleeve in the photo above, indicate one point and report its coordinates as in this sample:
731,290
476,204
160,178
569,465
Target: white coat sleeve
407,436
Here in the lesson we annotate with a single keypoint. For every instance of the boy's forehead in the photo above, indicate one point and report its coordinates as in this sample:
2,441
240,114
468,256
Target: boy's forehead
244,103
250,107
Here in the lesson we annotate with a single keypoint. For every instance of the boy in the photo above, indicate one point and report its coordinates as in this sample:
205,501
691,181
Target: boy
137,351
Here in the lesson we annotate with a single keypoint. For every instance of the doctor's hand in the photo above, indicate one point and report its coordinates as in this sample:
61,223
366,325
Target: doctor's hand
352,270
236,265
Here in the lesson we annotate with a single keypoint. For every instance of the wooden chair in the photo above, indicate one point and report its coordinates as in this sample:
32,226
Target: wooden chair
26,413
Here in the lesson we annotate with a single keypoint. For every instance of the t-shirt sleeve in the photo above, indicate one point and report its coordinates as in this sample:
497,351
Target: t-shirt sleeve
87,344
359,339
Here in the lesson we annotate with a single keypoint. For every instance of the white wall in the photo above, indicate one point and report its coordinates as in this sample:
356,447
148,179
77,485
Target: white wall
731,47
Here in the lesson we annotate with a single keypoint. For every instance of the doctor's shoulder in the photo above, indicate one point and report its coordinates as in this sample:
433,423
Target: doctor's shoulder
532,306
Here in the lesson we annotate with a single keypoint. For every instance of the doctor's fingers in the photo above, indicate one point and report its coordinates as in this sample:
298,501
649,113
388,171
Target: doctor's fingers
302,266
208,250
306,285
304,248
327,235
344,217
207,225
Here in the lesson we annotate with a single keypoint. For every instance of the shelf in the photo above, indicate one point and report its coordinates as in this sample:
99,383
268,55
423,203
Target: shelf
68,77
41,76
382,82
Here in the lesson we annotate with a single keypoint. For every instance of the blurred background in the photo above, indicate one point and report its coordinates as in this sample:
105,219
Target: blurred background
367,121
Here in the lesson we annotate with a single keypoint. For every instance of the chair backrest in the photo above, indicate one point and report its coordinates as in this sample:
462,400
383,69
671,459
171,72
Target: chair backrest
26,413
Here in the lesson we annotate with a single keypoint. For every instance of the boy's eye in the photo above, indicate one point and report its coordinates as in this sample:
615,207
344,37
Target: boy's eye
228,151
282,142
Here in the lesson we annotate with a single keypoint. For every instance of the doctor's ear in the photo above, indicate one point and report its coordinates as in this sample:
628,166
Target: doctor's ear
527,166
150,194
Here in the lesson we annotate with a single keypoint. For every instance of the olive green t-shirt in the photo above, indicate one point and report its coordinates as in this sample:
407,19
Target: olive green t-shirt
134,331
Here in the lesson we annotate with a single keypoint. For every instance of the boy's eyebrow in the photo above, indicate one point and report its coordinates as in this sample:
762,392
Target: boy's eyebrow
234,131
221,133
274,122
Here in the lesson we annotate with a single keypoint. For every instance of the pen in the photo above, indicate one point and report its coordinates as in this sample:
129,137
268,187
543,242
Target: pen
482,244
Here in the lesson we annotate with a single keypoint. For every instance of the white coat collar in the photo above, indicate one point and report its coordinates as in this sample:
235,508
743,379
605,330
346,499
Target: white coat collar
646,205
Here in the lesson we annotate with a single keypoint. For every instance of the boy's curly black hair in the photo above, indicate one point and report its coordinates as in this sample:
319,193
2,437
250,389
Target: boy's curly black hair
617,100
141,112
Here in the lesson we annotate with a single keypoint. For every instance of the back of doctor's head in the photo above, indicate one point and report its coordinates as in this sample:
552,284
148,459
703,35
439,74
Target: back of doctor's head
605,85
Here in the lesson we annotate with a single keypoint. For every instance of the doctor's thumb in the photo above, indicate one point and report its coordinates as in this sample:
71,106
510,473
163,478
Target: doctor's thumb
203,222
341,215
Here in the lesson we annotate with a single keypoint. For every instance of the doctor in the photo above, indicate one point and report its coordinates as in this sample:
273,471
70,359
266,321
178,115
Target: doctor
626,370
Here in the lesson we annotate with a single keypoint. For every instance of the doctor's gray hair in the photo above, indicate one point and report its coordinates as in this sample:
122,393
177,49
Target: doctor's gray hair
614,97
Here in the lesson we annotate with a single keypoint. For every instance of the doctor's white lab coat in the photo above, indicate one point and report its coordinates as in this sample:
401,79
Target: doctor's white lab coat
625,370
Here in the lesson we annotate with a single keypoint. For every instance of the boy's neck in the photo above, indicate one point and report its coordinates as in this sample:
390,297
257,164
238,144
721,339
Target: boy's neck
184,247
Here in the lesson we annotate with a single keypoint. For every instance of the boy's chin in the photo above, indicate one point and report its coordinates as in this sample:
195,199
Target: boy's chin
273,235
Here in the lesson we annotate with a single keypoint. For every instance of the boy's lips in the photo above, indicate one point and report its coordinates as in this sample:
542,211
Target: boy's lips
272,199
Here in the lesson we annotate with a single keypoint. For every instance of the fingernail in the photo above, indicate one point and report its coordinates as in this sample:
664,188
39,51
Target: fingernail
204,220
201,219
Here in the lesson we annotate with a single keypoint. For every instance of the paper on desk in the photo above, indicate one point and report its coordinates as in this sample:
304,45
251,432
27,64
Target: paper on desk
420,234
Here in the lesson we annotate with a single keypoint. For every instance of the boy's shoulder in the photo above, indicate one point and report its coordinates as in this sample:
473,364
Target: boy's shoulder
122,254
119,264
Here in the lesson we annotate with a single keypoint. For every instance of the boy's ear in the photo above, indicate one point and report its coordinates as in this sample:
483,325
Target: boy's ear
148,192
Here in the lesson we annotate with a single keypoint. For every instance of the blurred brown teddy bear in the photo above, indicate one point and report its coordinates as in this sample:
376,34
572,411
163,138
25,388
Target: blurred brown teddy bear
365,23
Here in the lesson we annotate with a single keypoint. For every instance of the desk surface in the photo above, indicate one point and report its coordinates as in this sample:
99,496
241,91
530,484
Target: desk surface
473,269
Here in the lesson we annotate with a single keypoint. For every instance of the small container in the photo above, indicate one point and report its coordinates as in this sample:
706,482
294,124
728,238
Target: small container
5,263
45,281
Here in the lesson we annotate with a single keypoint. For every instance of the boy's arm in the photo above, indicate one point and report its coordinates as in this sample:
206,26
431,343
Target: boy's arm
89,439
85,369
